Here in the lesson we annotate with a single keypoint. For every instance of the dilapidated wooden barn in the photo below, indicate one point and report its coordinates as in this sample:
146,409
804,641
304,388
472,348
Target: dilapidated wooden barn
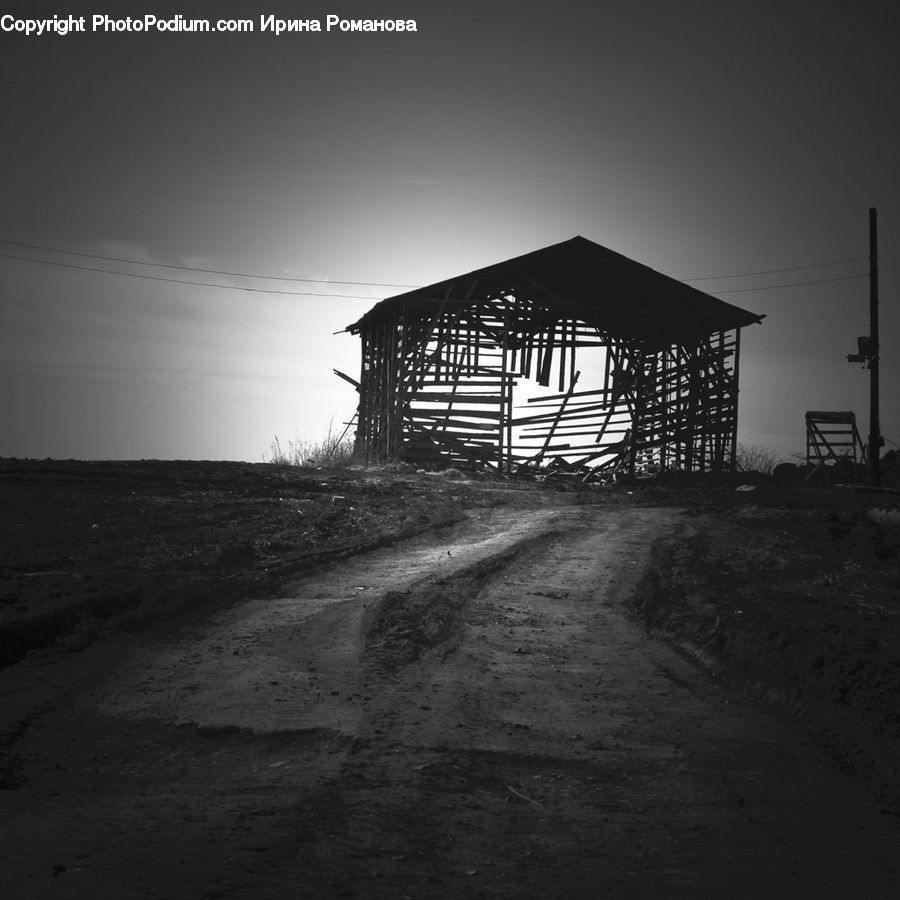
572,357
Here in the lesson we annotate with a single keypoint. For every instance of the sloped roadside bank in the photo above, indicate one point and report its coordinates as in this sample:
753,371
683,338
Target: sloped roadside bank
90,547
792,597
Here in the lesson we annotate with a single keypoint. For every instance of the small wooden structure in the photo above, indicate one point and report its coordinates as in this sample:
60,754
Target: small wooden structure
832,437
572,357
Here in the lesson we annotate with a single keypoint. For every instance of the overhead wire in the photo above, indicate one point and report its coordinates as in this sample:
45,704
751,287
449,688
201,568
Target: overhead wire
139,262
361,283
770,287
836,262
224,287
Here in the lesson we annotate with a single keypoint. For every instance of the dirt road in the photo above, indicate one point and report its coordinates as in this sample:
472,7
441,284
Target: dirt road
467,714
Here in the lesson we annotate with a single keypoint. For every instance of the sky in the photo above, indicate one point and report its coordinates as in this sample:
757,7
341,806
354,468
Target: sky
328,170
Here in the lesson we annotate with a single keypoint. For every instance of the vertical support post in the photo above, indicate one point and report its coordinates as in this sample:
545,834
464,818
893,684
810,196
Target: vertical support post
572,353
735,376
637,410
504,430
402,381
691,410
562,354
547,358
663,436
874,424
509,418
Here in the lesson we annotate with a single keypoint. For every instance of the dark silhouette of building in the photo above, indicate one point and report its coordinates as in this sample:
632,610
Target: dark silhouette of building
445,368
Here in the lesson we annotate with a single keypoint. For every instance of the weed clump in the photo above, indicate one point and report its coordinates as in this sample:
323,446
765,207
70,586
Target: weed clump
332,451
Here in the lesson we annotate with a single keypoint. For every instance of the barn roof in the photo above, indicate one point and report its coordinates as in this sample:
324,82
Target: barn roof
581,279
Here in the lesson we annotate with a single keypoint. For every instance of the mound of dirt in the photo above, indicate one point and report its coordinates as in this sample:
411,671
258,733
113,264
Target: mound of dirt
792,597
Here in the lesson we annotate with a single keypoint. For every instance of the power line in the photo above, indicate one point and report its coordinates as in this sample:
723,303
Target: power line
223,287
138,262
769,287
836,262
226,287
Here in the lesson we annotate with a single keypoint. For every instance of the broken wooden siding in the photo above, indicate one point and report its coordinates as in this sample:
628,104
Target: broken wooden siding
441,367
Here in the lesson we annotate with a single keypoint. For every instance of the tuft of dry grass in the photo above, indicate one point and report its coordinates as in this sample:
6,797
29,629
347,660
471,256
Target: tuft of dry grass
333,450
753,458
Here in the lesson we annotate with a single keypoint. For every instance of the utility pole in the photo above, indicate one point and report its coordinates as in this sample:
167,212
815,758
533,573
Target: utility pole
874,424
868,352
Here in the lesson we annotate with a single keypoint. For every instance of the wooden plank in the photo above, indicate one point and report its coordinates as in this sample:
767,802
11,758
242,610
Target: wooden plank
454,444
547,360
573,404
554,450
573,416
468,383
455,399
572,346
562,354
346,378
578,448
556,420
596,392
567,434
453,424
478,413
538,341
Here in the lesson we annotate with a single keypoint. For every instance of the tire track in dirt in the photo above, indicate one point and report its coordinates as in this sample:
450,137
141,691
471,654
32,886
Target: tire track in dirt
187,770
530,742
546,747
294,662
